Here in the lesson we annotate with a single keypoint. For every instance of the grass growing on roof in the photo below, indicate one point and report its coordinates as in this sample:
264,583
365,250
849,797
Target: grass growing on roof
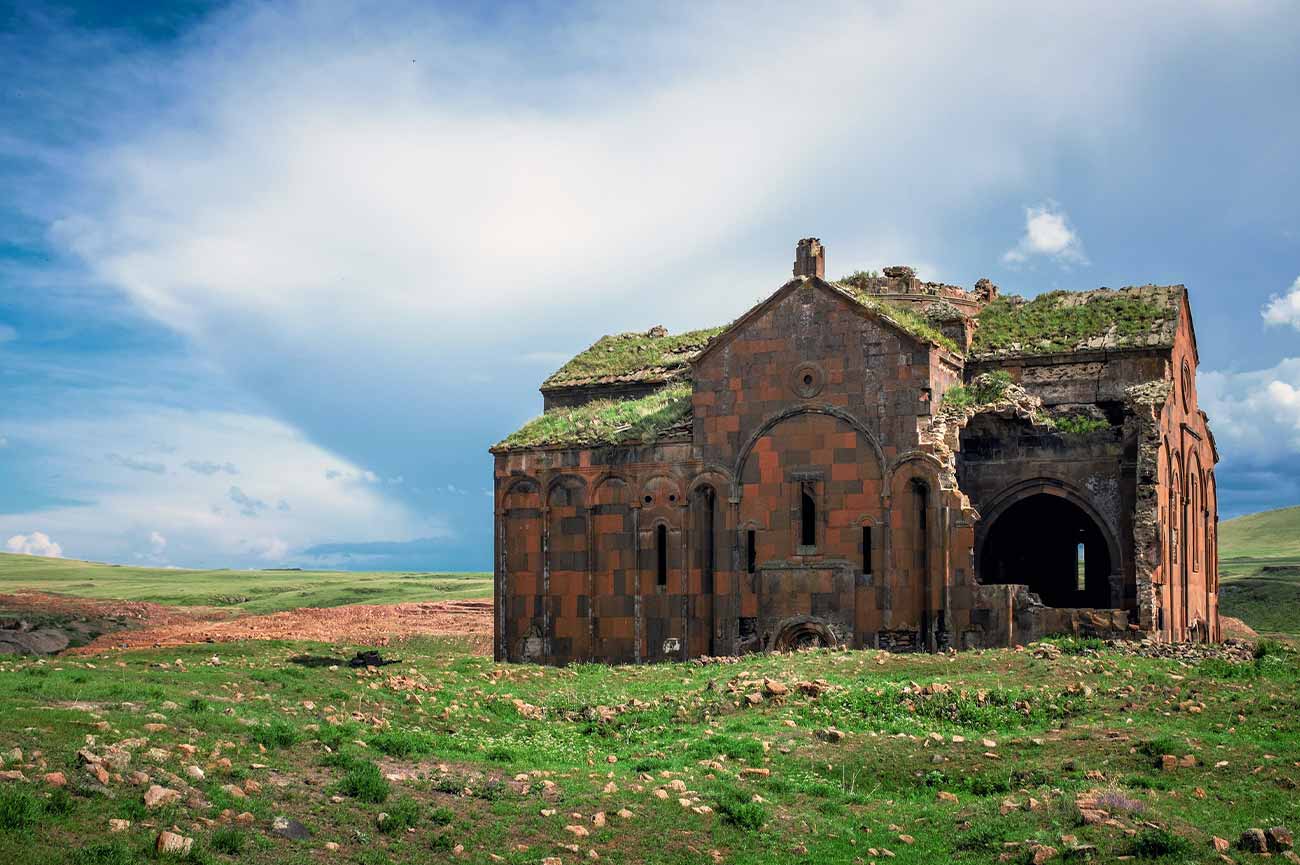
608,421
1064,320
905,318
634,357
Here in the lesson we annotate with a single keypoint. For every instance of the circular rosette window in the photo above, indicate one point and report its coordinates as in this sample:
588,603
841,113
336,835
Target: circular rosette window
807,380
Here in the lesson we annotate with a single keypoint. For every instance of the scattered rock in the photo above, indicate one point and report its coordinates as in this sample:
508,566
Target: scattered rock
1279,839
288,828
830,734
115,825
171,844
946,797
577,831
1221,845
55,779
1253,841
233,791
157,796
1040,853
194,773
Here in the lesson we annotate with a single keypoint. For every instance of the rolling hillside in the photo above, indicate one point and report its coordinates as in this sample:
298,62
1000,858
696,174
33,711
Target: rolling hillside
250,591
1259,567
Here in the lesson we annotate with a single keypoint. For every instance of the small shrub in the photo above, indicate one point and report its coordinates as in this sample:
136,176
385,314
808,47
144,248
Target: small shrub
500,754
988,785
1159,746
104,853
442,816
1268,647
442,842
364,781
402,815
983,835
732,747
1158,844
20,810
228,840
60,803
1081,424
197,706
735,807
402,743
277,734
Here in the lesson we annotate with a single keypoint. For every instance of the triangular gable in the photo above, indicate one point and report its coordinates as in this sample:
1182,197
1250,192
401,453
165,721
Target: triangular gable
874,309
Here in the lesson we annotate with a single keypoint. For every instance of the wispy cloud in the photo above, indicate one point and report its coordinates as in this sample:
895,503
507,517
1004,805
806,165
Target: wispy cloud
206,467
1048,234
136,464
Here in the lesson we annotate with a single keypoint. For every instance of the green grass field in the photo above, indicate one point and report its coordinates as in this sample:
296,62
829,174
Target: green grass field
251,591
975,758
1259,568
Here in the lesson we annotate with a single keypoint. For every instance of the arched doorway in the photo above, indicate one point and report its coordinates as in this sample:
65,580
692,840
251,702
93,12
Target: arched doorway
1054,547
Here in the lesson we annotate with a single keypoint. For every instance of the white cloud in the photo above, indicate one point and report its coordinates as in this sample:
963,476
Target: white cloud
1284,309
4,442
1048,233
34,544
1255,413
334,189
125,516
7,333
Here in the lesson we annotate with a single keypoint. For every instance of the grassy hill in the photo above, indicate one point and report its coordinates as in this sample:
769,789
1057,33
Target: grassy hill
252,591
1259,567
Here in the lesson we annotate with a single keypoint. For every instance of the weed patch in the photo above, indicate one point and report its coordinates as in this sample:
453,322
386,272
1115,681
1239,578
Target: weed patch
364,781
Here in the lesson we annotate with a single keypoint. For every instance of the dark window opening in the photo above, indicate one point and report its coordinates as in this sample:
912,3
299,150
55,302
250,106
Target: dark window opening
866,550
808,517
751,550
661,553
1054,547
708,545
922,495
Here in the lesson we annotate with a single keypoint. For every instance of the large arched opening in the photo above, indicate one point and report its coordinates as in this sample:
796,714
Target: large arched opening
1054,547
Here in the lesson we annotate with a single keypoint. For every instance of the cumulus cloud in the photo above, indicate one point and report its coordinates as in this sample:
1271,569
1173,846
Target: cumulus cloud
34,544
1255,413
136,465
157,543
1048,234
119,514
1284,309
334,189
207,467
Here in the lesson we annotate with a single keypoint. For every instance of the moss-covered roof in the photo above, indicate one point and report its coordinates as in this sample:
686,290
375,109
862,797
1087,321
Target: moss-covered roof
653,356
609,421
900,316
1066,321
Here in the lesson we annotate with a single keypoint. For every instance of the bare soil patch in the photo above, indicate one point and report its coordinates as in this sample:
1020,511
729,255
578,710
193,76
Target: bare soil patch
139,624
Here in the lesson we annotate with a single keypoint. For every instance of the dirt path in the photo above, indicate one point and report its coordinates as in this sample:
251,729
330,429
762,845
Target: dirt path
148,625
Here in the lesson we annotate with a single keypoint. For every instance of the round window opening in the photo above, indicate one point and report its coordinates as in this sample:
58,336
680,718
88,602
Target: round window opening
1186,387
672,498
807,380
649,499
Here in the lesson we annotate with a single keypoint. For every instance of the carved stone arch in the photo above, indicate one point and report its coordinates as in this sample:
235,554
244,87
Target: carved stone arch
1052,486
646,488
933,468
712,475
566,479
801,632
793,411
607,478
515,482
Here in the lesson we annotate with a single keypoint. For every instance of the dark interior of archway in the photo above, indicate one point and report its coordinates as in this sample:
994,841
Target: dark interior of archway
1052,546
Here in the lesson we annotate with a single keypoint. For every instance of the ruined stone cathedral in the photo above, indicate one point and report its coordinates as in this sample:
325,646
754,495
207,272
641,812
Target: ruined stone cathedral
874,462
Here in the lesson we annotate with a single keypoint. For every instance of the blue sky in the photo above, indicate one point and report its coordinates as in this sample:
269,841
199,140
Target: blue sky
273,276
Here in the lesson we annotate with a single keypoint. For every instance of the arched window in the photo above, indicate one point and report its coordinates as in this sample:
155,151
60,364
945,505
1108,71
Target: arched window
921,495
661,554
808,516
866,550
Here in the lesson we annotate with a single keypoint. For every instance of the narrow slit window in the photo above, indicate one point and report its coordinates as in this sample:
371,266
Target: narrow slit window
1081,567
751,550
808,519
661,553
866,550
